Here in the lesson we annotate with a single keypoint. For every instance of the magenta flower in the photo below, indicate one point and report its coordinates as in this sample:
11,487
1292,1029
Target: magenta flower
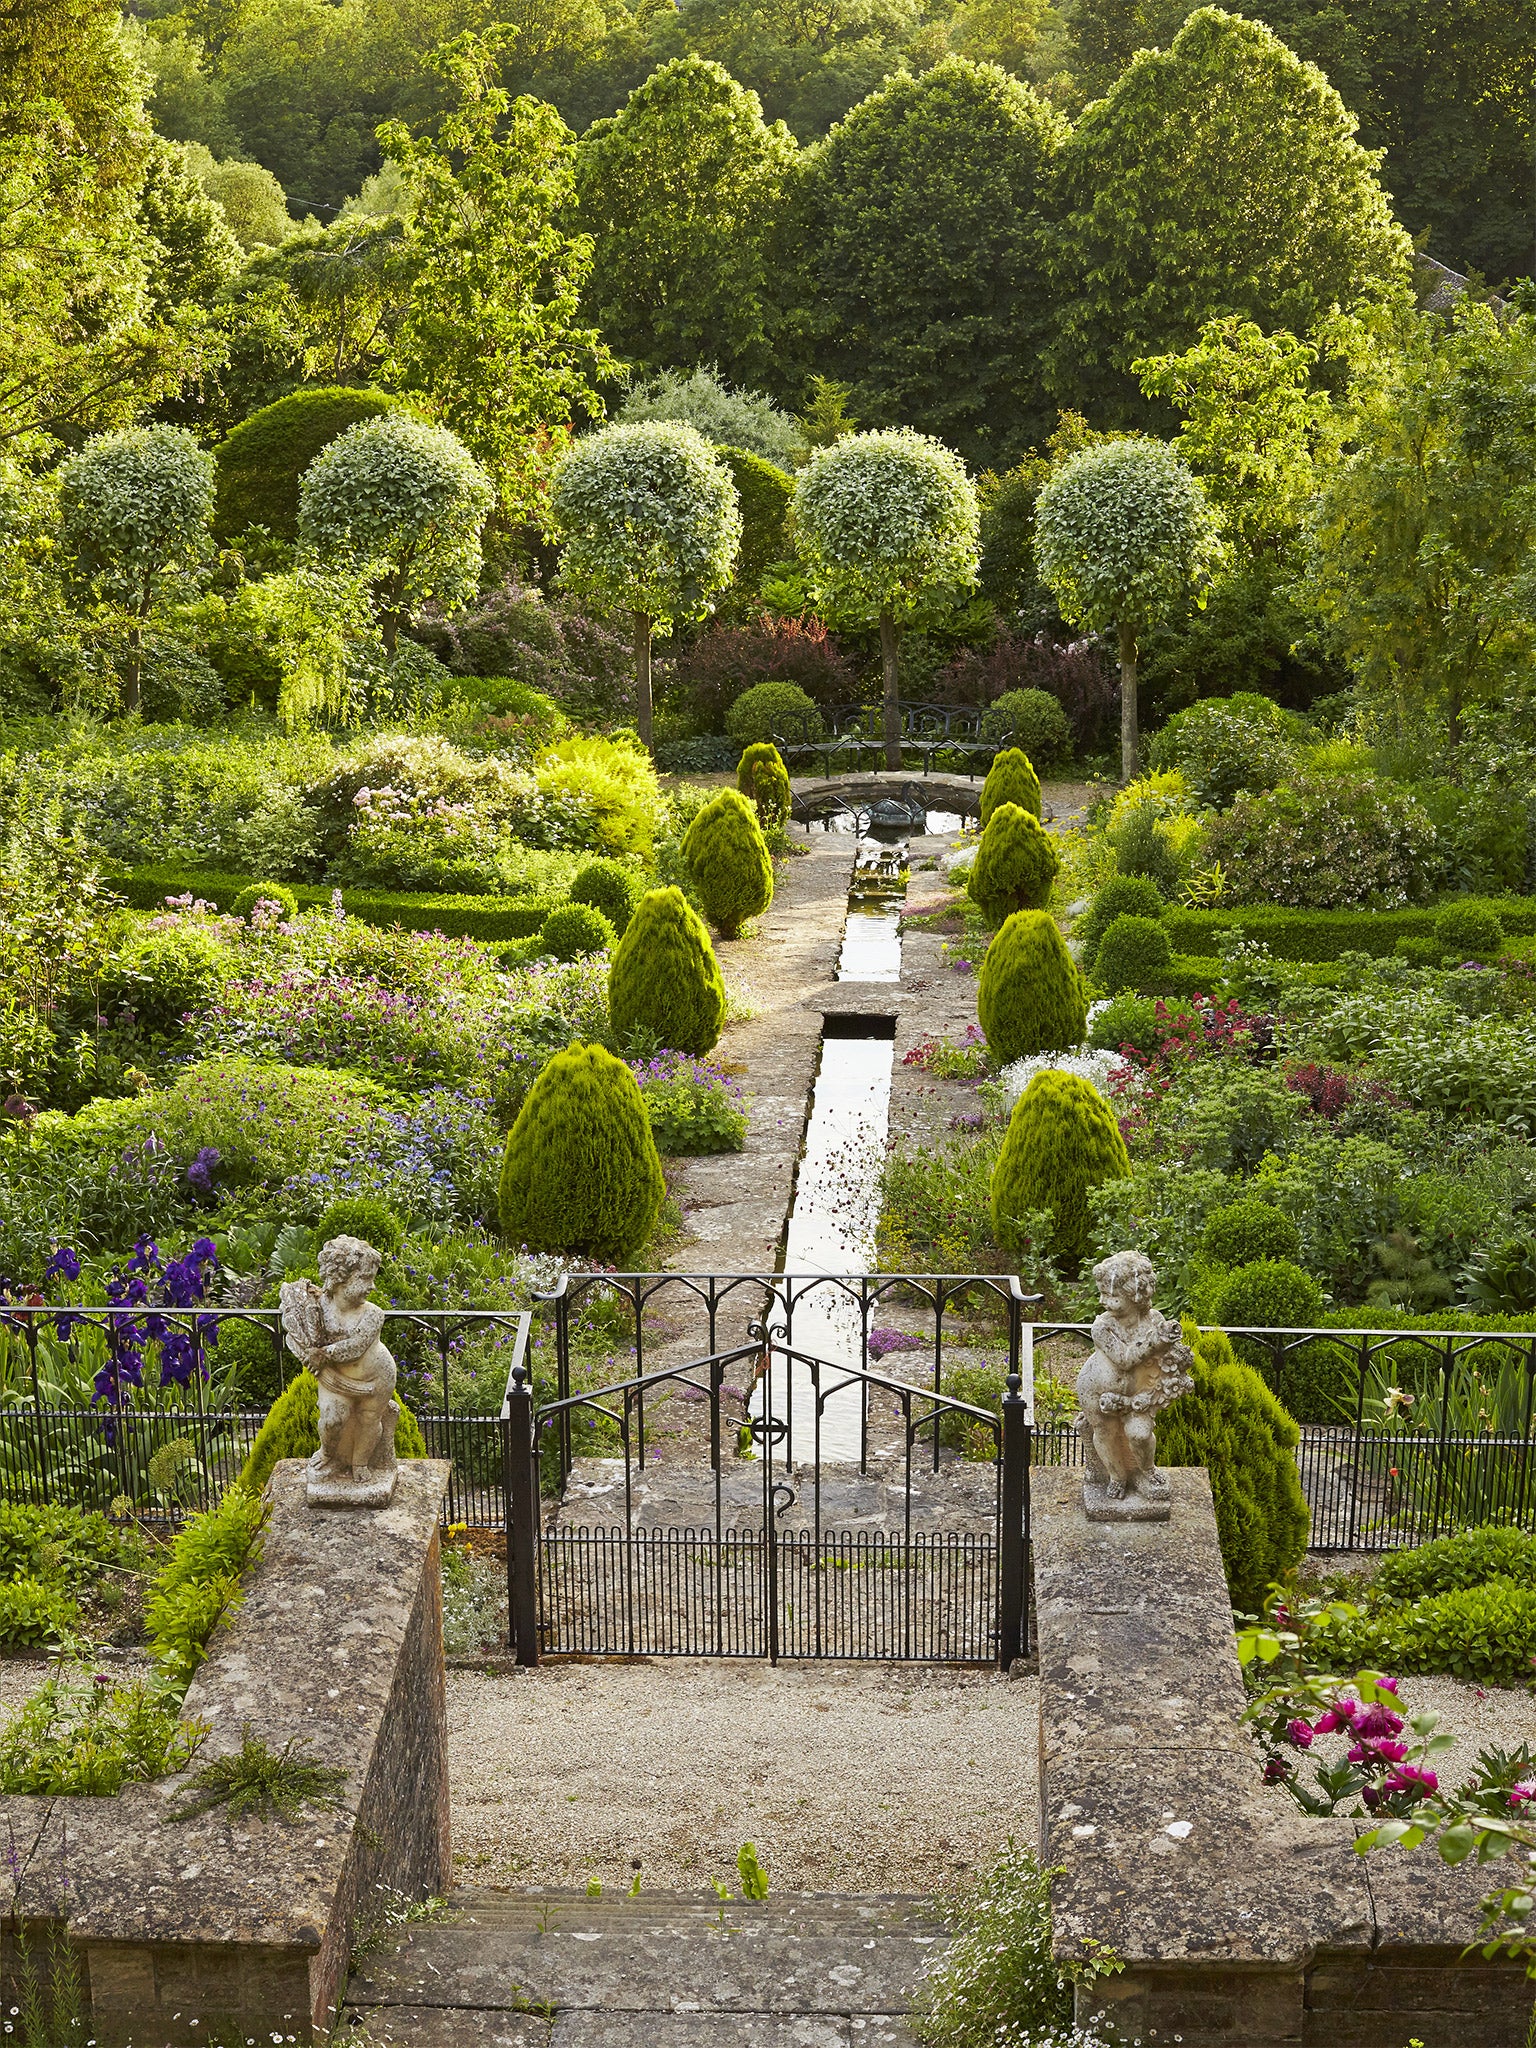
1378,1752
1340,1715
1275,1770
1378,1720
1412,1778
1299,1734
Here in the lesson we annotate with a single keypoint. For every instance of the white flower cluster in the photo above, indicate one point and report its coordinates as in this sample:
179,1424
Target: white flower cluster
1089,1065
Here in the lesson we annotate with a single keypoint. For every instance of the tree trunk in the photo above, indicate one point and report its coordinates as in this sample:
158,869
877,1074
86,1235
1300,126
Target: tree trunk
1130,731
888,645
643,677
132,668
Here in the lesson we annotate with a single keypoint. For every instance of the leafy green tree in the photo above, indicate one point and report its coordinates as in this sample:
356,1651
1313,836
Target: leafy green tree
1421,544
681,192
921,284
1123,535
1219,176
729,418
196,253
881,521
649,523
136,517
325,305
490,338
248,196
261,464
405,501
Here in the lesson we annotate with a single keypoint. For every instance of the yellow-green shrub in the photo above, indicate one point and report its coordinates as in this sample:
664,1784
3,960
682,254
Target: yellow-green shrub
1063,1139
664,978
729,861
1031,996
581,1173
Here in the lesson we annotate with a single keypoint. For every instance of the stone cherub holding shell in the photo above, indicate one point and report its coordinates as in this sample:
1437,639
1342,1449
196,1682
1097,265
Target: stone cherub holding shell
1139,1364
334,1329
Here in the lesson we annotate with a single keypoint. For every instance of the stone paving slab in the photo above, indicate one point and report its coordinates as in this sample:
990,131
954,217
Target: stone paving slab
417,2026
728,2030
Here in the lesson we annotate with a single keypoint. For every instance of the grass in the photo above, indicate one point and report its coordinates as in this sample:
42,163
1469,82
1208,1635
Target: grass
269,1783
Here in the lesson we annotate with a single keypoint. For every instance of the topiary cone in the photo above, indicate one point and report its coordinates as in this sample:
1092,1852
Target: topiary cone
1031,998
1015,864
1010,780
581,1172
664,977
762,776
1063,1139
1232,1425
729,861
292,1430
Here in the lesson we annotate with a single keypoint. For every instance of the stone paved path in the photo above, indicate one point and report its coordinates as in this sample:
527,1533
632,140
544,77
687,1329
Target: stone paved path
665,1970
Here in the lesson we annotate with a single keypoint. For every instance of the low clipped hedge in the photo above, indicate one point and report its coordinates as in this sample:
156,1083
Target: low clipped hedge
1325,934
1483,1635
457,917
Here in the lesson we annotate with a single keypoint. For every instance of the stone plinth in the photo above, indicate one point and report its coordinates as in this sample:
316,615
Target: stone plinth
190,1930
1237,1918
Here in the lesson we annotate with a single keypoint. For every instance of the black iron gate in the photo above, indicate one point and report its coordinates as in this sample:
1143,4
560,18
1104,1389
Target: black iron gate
766,1547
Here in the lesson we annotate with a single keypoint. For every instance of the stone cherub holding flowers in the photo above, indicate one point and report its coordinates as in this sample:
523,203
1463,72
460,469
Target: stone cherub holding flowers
334,1329
1139,1364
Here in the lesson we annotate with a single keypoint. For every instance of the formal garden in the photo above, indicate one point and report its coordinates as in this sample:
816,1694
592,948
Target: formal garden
443,649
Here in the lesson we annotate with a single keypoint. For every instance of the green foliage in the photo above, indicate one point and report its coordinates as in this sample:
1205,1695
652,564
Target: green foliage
269,1784
1266,1294
1249,1230
1128,1020
34,1616
648,520
572,930
265,892
57,1546
260,464
1133,954
762,776
1323,935
738,423
1232,1425
1121,896
729,862
764,494
692,1108
1062,1142
487,918
998,1979
199,1585
1451,1564
164,976
681,190
1031,996
489,333
664,979
1469,930
1483,1635
1218,175
752,1871
363,1216
404,500
883,519
1327,842
609,887
1142,848
292,1430
1123,535
1034,721
770,711
90,1740
250,199
921,286
1010,780
1015,865
581,1174
1225,745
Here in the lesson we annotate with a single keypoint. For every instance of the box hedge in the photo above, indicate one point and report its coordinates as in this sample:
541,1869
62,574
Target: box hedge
1325,934
487,918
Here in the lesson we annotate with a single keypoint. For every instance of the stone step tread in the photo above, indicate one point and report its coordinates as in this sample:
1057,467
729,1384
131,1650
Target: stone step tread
458,2027
826,1912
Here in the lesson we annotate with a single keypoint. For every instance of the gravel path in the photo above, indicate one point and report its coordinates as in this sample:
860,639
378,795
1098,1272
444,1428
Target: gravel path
848,1778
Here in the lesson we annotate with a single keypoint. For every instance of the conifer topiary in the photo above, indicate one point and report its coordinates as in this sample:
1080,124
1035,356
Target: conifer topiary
762,776
1015,865
664,979
610,887
1010,780
1232,1425
363,1216
1031,996
1063,1139
1121,896
265,892
729,861
1135,954
573,930
292,1430
581,1172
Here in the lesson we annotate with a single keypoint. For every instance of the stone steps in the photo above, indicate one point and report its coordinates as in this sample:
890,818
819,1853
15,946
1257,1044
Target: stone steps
664,1970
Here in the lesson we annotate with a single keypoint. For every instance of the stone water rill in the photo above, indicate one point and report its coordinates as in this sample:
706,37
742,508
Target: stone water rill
334,1329
1139,1364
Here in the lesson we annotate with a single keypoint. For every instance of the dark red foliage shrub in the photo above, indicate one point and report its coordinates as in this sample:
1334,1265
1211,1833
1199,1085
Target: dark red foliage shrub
1079,677
1326,1089
722,662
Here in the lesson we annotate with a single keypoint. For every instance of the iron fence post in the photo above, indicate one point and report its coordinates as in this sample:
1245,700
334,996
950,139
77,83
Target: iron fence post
1012,1594
521,1494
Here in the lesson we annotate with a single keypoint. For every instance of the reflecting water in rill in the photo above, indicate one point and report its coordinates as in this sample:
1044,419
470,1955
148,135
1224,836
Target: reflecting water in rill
872,935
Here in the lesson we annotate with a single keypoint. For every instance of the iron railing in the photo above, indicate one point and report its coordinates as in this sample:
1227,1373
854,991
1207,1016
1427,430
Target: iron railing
854,753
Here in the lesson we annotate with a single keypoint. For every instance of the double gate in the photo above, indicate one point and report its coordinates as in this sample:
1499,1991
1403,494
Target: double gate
810,1515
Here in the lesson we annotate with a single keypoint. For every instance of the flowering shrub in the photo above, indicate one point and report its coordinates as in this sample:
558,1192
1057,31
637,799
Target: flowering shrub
1327,843
966,1061
693,1104
341,1021
1097,1068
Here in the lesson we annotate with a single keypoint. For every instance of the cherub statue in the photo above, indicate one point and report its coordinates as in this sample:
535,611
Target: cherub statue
1139,1364
334,1330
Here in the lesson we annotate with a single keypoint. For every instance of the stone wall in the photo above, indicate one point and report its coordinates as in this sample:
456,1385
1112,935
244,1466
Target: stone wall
1238,1919
207,1929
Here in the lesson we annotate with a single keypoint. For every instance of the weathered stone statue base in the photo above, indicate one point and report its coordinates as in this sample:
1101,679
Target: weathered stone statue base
366,1486
1131,1507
